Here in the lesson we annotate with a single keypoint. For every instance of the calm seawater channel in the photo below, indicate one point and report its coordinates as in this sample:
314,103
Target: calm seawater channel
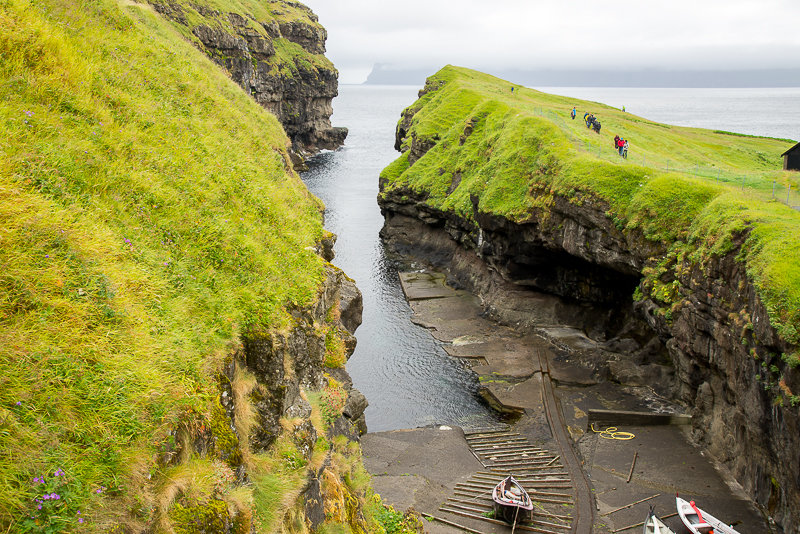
405,374
403,371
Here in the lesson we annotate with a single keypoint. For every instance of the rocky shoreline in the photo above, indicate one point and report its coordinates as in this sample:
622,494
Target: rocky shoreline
546,400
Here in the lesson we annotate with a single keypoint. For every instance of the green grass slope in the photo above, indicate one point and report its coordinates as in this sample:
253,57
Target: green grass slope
513,151
146,217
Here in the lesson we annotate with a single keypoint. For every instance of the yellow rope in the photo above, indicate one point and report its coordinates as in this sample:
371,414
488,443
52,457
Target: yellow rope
612,433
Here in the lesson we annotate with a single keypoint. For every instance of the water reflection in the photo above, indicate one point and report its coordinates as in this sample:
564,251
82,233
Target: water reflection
405,374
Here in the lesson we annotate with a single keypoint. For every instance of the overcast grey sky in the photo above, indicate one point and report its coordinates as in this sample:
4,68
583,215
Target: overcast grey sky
562,34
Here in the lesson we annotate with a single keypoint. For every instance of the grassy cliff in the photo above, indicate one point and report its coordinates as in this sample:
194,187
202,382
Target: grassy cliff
470,143
150,216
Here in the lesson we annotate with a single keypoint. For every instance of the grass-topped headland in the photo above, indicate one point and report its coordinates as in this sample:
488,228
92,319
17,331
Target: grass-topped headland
469,143
150,218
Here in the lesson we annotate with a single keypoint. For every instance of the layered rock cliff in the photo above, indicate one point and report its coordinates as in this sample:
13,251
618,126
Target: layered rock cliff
275,52
671,310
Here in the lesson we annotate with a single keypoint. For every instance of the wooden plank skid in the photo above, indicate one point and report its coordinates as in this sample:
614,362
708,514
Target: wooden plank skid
512,450
517,443
513,445
478,432
474,502
520,461
487,504
488,493
537,522
508,432
467,508
524,453
538,498
518,469
522,479
467,492
544,477
452,524
499,438
508,469
496,522
503,441
472,495
488,487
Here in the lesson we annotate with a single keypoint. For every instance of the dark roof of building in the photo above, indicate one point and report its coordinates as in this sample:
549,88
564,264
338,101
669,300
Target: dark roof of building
795,147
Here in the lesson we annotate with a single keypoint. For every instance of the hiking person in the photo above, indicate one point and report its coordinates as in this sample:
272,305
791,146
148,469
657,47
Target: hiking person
625,150
573,113
620,144
616,140
596,126
586,118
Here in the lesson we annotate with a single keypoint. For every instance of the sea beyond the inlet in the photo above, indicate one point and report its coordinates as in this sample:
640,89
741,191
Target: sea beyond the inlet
771,112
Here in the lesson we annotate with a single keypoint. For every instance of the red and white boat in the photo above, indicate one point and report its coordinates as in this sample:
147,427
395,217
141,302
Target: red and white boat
700,521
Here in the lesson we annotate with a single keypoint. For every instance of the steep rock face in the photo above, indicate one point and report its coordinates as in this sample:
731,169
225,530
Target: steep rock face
277,58
724,351
285,362
285,365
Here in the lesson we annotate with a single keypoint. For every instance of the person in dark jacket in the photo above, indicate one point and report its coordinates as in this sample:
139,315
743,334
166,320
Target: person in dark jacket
573,113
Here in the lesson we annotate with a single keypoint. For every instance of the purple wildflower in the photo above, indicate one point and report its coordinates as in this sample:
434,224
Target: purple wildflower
39,507
80,520
19,403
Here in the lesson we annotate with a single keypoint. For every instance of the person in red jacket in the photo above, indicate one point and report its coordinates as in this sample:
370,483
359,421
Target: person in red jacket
620,144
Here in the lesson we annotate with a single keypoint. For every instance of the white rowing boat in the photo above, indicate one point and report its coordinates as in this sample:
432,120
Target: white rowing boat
654,525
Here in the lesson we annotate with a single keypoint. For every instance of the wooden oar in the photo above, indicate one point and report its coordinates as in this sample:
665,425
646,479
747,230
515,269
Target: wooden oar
514,525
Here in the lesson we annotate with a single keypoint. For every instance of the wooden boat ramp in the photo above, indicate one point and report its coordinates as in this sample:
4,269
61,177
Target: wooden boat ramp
503,452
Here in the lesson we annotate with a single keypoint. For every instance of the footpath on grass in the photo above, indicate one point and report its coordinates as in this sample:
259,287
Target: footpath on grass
433,469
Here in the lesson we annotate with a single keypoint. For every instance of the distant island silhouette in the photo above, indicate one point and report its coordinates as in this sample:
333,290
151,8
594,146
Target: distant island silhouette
384,74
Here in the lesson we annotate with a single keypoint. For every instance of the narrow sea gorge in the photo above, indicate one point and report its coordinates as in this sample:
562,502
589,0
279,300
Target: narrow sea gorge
405,374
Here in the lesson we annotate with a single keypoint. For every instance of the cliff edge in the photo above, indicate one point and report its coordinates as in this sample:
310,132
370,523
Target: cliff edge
696,282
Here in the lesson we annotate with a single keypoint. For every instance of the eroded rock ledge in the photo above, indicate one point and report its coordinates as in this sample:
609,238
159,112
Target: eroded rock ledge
278,60
713,349
264,392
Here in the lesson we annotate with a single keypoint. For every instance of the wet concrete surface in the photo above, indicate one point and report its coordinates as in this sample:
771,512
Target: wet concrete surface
418,468
666,464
